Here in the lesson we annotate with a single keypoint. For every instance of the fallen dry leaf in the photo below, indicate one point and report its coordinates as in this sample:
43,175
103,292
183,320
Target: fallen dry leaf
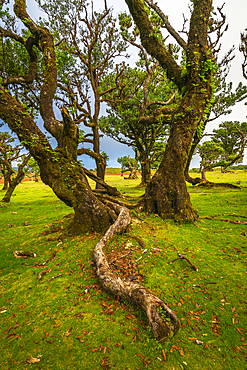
164,355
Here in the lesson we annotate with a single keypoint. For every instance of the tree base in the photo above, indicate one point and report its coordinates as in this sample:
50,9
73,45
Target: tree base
169,199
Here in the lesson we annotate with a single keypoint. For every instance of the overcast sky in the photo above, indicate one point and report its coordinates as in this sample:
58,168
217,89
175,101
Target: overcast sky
235,11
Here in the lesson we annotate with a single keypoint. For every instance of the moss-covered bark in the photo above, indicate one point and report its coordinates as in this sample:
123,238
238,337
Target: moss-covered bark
6,179
166,193
145,172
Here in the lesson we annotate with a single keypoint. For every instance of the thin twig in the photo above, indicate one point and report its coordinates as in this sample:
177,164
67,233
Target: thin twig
54,277
49,259
184,258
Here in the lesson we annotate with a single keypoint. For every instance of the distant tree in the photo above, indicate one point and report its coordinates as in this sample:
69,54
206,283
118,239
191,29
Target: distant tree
33,169
129,164
225,149
124,162
139,114
211,154
232,136
9,153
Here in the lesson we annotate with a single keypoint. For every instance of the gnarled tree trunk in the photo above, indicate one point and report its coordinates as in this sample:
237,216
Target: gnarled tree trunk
166,194
203,173
59,168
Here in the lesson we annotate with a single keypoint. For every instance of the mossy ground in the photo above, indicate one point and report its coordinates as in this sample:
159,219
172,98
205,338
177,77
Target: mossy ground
70,323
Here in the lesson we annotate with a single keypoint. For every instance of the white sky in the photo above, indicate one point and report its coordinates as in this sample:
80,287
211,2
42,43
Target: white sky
235,11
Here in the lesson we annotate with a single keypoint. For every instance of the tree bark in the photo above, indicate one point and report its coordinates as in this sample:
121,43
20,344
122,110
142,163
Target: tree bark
133,174
188,178
100,170
163,321
111,190
145,172
5,181
166,194
203,173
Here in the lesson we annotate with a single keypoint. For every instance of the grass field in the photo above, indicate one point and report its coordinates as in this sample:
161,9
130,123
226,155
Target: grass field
69,323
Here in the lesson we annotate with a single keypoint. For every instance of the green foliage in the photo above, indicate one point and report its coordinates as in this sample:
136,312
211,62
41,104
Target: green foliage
9,152
232,136
225,98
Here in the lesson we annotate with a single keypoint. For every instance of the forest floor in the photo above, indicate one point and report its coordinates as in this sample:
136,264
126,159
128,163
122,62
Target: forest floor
64,320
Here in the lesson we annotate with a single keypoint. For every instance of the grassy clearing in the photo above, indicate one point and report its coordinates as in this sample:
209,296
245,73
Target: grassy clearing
70,323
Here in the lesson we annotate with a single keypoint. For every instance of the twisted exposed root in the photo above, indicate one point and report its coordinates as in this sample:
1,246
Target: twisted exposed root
163,321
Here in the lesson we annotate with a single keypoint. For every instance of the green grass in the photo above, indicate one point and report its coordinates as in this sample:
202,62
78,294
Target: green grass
68,328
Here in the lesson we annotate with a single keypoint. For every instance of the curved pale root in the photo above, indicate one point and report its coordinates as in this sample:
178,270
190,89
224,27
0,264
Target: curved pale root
163,321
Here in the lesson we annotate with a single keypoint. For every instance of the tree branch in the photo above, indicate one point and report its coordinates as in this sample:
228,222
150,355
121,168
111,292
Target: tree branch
168,26
151,43
53,126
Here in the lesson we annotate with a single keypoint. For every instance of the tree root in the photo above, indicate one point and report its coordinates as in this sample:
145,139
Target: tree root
104,198
163,321
51,258
236,216
225,220
208,184
42,273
